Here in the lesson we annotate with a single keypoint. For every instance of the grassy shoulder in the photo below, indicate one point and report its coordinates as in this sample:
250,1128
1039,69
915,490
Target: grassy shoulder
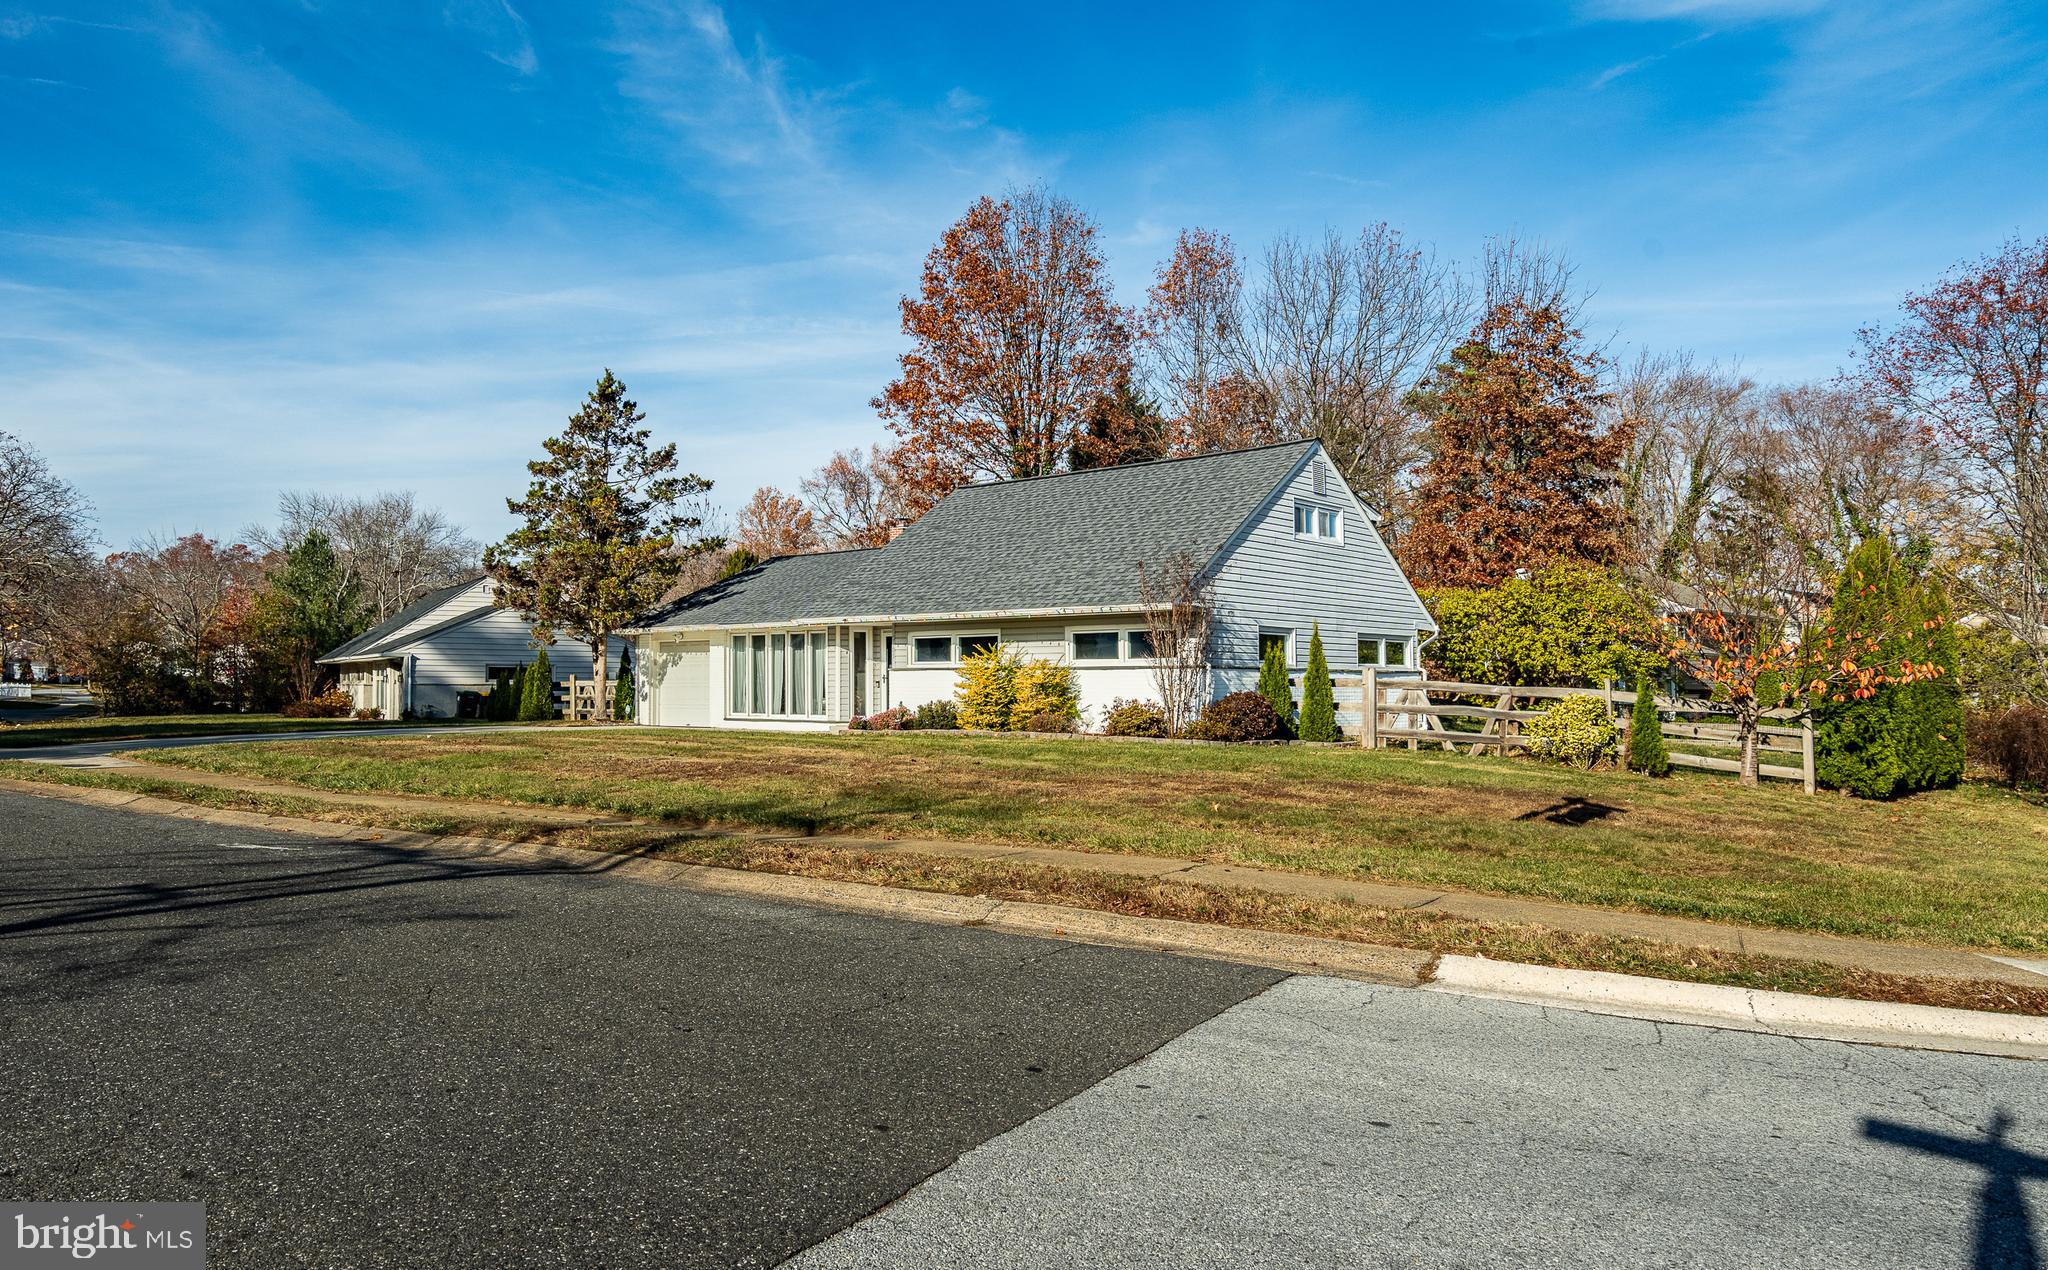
1955,867
1242,907
75,730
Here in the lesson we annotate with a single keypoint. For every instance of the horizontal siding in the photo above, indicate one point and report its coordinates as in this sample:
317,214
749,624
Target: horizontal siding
1269,579
454,661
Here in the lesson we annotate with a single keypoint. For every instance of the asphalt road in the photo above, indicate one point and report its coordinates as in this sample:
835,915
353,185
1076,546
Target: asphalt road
360,1057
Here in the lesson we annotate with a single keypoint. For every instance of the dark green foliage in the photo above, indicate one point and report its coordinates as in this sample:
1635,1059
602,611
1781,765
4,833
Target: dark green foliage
1241,716
1646,753
737,561
1274,686
313,606
1569,626
1318,700
938,716
537,696
2014,741
502,705
622,699
1134,718
1902,737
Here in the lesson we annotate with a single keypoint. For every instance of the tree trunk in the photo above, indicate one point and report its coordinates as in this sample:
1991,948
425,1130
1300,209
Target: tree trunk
1747,737
597,670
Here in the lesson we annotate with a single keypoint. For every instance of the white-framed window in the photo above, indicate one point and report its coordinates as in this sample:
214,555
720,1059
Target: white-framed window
1138,644
1269,637
1317,522
1374,650
948,649
777,674
1095,645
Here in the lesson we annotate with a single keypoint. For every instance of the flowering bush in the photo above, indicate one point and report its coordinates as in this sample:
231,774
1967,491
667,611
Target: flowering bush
1574,730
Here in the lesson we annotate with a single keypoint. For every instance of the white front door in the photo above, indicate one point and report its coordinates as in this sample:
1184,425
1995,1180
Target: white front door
684,698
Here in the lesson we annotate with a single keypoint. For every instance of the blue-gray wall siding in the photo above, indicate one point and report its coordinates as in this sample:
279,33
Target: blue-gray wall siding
453,661
1269,579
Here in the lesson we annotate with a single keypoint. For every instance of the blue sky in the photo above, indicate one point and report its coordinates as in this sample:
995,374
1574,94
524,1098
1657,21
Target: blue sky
358,246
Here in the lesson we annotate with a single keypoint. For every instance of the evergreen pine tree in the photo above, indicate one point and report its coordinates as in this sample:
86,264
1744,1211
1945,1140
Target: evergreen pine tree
622,703
538,702
1646,753
1318,701
1273,685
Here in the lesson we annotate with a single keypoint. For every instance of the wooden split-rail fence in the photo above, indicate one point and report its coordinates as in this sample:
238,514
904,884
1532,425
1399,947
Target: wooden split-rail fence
579,700
1412,710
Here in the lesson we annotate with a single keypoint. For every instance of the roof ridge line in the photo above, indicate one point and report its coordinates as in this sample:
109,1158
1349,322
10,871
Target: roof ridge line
1124,467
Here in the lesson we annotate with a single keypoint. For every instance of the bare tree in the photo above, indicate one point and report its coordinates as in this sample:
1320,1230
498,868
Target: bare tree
391,547
1188,326
1180,603
1687,419
1539,275
855,499
44,540
1335,332
1860,469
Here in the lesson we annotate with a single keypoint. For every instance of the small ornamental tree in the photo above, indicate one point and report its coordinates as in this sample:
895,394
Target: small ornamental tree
1318,700
1274,687
1646,752
601,537
1180,605
622,701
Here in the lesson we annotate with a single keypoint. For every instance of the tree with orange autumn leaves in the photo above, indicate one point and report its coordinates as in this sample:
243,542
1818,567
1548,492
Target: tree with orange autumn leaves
1015,341
775,524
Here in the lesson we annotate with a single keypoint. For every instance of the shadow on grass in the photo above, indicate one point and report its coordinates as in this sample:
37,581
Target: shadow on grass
1573,811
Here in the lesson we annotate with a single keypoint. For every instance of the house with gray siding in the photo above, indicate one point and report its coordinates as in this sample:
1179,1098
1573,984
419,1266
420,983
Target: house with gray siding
452,641
1051,567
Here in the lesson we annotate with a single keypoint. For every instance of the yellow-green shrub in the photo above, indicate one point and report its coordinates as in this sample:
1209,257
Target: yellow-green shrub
988,688
1045,688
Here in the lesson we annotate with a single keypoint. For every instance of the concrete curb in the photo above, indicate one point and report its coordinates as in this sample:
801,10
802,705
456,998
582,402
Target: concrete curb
1599,992
1746,1009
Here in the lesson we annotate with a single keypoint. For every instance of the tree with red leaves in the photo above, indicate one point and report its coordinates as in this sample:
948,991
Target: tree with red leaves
774,524
1015,341
1520,472
1968,367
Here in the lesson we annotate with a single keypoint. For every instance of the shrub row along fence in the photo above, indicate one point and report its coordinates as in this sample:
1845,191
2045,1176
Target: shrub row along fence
1414,711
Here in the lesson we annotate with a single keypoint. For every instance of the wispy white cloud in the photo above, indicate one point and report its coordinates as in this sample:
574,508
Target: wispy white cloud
1698,10
499,29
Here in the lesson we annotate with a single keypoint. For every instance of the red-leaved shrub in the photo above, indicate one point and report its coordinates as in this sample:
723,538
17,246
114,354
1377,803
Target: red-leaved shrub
1241,716
2014,740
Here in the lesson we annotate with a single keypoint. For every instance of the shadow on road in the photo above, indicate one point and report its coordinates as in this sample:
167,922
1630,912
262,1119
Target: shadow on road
2005,1231
159,928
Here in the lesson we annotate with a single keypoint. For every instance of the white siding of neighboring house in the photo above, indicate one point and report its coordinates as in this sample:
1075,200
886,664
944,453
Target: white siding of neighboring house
453,661
1271,580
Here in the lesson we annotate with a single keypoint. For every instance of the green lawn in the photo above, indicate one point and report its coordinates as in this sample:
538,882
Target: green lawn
73,730
1964,866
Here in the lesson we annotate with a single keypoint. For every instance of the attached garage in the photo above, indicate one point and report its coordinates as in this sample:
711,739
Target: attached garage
682,675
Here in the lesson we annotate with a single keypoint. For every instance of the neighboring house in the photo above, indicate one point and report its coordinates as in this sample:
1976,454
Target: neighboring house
1049,566
446,643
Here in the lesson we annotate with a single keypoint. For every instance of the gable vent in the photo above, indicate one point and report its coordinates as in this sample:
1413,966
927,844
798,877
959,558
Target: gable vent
1321,478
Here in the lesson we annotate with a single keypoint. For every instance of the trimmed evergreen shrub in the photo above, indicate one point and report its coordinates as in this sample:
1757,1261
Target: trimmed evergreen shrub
1568,626
1045,691
537,700
1241,716
622,696
500,705
1273,686
1646,752
1134,718
1318,698
1574,730
1903,737
988,688
938,716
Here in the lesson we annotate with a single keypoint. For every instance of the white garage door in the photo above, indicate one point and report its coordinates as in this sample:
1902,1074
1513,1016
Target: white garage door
685,699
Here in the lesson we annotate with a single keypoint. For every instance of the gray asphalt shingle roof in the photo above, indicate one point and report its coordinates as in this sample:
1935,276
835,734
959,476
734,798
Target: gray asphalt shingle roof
1072,541
371,642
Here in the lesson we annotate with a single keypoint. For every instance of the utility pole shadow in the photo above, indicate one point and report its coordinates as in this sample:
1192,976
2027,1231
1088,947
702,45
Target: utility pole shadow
2005,1231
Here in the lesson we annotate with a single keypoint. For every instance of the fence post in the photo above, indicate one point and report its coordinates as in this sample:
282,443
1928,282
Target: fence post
1806,750
1369,735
